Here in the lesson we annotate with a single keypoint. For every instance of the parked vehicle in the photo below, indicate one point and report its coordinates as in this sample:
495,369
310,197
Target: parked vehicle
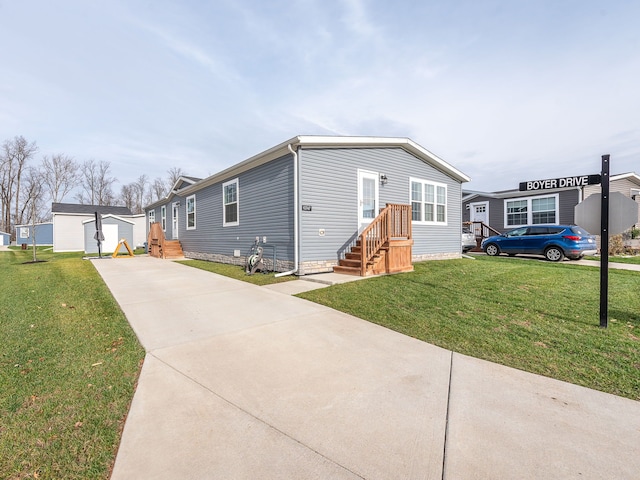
553,241
468,240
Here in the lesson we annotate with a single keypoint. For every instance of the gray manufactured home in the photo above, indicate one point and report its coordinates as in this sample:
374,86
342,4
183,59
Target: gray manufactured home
307,199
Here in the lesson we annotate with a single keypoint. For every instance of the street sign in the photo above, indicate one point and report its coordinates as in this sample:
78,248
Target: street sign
562,182
623,213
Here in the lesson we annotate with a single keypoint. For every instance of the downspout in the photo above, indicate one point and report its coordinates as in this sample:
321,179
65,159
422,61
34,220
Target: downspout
296,239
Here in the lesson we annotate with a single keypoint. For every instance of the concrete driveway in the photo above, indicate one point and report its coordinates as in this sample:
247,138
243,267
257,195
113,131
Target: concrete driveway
245,382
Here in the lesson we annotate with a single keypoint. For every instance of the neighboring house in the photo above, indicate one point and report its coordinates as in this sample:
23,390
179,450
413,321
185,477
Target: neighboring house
5,238
69,227
114,229
509,209
309,197
139,230
44,234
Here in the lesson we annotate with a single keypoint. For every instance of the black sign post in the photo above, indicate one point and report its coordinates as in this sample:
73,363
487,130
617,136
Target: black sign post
604,243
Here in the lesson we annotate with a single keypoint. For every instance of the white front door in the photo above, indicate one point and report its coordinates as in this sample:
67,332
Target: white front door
368,202
174,221
480,212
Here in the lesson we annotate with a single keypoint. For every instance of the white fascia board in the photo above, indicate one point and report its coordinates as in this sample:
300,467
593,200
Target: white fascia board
29,224
109,216
320,141
634,177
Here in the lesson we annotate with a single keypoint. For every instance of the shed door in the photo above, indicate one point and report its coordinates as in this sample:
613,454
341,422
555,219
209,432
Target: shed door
368,201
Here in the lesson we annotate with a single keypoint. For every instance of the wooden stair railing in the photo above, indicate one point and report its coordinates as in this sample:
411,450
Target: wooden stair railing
482,230
384,246
394,221
159,246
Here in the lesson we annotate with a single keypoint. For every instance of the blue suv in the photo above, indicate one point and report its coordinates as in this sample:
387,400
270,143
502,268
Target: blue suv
553,241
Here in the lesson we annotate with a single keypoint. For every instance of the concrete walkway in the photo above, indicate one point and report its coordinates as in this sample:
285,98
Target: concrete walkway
244,382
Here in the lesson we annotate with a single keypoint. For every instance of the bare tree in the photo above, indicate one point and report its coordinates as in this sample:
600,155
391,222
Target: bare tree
128,196
174,174
32,202
96,183
158,190
140,186
60,175
13,159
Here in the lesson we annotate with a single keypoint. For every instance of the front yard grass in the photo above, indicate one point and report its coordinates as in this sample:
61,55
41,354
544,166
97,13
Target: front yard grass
535,316
237,272
632,259
68,367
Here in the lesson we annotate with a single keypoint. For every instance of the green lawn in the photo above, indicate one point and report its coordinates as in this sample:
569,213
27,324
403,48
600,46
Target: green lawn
234,271
68,367
635,259
540,317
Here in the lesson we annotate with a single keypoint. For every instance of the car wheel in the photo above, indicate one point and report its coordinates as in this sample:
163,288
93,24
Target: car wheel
492,250
554,254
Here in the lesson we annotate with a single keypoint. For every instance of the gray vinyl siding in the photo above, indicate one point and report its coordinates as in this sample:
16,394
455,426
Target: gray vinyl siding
329,185
265,198
568,199
44,234
125,230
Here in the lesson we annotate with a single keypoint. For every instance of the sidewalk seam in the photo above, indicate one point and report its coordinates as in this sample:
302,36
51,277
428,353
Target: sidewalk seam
256,418
446,423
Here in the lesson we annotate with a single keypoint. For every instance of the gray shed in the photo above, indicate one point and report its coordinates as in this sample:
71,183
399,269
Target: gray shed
114,228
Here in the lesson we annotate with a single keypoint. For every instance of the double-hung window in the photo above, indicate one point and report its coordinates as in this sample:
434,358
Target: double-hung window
517,212
230,204
191,212
531,211
163,217
428,202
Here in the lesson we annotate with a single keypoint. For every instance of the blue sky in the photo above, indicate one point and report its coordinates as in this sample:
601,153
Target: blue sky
505,91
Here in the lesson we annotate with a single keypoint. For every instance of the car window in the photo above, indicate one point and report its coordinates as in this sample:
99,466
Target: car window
579,230
516,232
538,231
554,230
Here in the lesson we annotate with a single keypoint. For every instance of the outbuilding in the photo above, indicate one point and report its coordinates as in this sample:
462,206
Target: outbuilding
114,229
69,226
43,234
5,238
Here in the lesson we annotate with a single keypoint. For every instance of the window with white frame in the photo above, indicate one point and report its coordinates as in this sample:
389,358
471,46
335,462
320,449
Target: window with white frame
230,210
531,211
152,217
428,202
191,212
163,218
543,210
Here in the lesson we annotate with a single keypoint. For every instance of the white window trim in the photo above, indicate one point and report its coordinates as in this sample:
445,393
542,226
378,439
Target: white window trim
186,211
529,209
152,217
224,210
435,213
163,218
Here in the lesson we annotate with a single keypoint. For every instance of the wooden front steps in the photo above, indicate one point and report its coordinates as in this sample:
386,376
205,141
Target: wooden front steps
172,249
352,263
384,245
160,247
